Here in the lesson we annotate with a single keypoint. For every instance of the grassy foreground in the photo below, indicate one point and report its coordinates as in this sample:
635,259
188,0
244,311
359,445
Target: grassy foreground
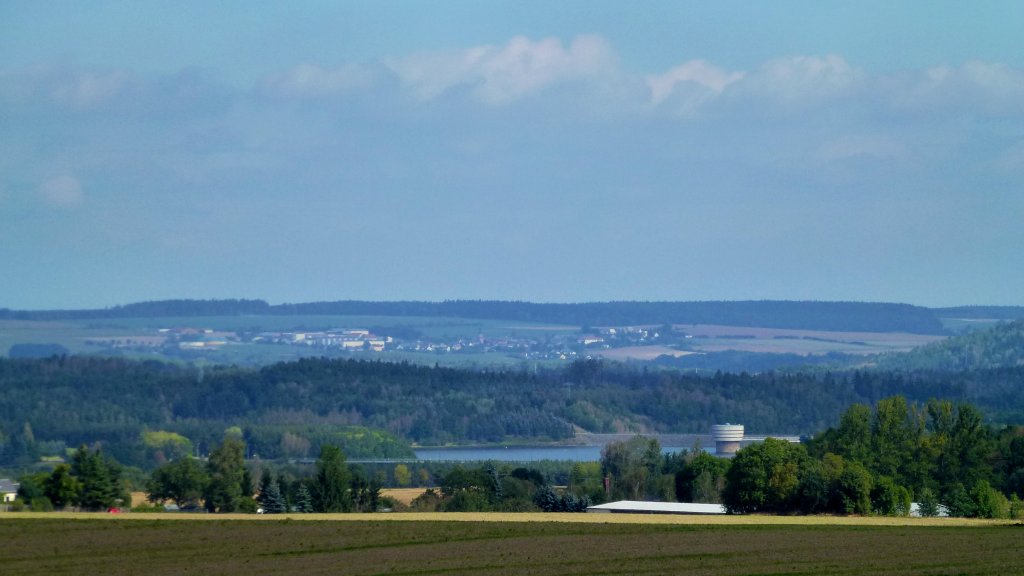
599,544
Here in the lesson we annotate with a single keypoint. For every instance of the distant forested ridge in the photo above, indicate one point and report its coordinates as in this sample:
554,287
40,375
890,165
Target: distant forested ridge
158,308
1001,346
837,316
982,312
288,409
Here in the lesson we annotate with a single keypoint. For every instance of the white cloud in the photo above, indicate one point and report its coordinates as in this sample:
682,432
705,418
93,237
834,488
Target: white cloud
311,81
696,72
62,191
523,68
803,83
688,86
803,79
988,87
499,75
797,82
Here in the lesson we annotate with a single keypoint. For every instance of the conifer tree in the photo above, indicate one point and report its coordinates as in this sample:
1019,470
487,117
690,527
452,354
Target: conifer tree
305,499
100,479
271,499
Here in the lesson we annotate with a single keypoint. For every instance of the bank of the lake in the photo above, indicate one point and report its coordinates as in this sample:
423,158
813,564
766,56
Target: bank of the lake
520,453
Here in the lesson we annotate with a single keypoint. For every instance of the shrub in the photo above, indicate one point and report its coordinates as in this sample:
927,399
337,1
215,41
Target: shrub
928,504
41,504
429,501
1016,508
989,502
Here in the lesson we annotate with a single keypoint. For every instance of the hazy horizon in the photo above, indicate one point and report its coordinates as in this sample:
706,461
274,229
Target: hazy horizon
566,302
578,151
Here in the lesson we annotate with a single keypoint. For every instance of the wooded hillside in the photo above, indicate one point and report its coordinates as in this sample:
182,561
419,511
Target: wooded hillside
838,316
72,400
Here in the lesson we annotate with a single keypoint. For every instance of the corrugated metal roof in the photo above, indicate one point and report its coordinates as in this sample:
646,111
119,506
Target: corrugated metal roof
636,507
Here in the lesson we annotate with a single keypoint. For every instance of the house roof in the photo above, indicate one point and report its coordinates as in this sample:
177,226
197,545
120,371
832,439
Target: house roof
8,486
635,507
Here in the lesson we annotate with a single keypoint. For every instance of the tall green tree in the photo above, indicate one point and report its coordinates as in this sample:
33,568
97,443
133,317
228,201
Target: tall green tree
895,435
61,487
100,480
227,488
585,481
331,487
633,468
402,475
365,493
853,436
701,479
184,481
852,488
889,498
960,445
765,477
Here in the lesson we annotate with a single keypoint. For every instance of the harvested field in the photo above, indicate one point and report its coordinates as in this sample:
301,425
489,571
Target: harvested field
640,352
881,338
715,338
597,544
403,495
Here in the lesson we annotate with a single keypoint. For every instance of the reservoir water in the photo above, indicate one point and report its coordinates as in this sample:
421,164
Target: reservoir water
520,453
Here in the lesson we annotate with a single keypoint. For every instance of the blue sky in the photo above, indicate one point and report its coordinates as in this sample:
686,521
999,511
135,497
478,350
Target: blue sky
570,151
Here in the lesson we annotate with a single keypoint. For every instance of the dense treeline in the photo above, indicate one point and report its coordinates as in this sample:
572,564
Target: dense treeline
92,481
853,316
740,360
877,461
841,316
146,412
290,409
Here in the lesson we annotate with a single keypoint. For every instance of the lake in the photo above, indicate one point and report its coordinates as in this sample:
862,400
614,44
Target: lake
521,453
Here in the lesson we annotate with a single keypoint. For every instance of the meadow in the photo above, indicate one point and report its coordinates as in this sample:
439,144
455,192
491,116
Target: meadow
504,544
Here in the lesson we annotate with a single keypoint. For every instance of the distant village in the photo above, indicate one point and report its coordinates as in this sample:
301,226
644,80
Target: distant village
558,346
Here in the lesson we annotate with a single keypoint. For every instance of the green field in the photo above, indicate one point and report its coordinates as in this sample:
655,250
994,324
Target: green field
602,545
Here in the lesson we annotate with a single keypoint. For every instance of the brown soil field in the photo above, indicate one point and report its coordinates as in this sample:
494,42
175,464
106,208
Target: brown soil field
151,545
533,518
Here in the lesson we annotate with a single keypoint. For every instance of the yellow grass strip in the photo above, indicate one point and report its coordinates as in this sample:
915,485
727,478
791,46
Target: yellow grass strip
533,517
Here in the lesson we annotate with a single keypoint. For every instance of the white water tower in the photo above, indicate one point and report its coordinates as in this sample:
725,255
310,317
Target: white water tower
727,438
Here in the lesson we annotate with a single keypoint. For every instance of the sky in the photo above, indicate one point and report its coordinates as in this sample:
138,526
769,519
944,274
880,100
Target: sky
526,150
